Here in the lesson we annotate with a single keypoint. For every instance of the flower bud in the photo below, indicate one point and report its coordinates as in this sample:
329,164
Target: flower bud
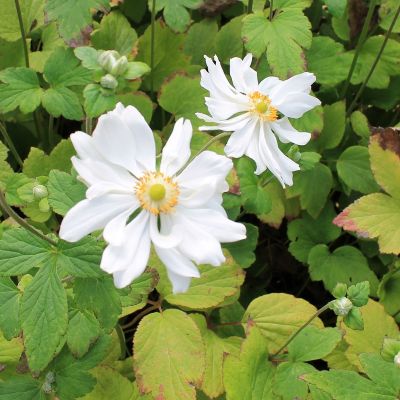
108,82
40,192
120,66
397,359
342,306
108,59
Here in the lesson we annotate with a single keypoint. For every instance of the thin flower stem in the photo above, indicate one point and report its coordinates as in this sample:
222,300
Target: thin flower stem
50,132
140,316
250,7
12,214
378,56
271,7
89,125
319,312
360,43
22,29
10,145
153,28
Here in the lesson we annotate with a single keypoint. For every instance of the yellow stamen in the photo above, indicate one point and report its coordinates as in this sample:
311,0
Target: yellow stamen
261,105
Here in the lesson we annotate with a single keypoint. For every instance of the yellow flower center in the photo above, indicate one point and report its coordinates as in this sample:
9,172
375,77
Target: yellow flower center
261,105
157,193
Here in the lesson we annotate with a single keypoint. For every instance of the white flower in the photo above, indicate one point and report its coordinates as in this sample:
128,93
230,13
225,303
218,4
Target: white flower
257,112
138,204
396,359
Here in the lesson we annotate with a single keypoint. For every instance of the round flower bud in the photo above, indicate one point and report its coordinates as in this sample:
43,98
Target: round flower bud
396,359
108,82
108,59
120,66
40,192
342,306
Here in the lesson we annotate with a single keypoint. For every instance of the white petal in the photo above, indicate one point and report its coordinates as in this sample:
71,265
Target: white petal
162,240
229,125
90,215
239,141
176,152
244,78
267,84
180,284
295,84
177,263
84,146
102,188
218,78
222,109
295,105
286,133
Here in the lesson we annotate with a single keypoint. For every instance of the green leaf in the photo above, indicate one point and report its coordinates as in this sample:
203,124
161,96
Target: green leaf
200,40
334,126
327,59
73,16
389,290
168,55
97,100
139,100
228,42
354,169
283,38
346,265
387,11
250,376
9,308
304,186
358,294
10,350
83,330
44,317
278,316
88,56
114,33
360,125
243,250
386,67
21,89
21,388
312,121
101,297
278,202
336,7
313,343
135,70
62,101
256,198
64,191
354,319
172,341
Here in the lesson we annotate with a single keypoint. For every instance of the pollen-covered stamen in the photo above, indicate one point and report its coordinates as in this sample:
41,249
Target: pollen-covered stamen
261,105
157,193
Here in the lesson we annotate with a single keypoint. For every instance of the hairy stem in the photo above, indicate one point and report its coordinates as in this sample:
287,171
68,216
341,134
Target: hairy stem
153,28
271,7
22,29
360,43
20,221
318,313
140,316
10,144
371,71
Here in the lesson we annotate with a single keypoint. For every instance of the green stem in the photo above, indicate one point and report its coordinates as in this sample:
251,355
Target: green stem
50,132
22,29
318,313
250,7
153,28
89,125
264,182
12,214
10,144
360,43
271,11
378,56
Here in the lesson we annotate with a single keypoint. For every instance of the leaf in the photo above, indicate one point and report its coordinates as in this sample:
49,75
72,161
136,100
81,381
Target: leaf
139,100
387,11
73,16
101,297
386,67
172,341
328,61
9,308
360,125
97,100
278,315
64,191
243,250
228,41
336,7
278,202
283,38
114,33
389,290
345,265
43,317
200,40
353,167
304,186
312,121
175,14
334,126
256,198
83,330
168,55
21,388
183,97
313,343
377,326
110,385
62,101
250,376
21,89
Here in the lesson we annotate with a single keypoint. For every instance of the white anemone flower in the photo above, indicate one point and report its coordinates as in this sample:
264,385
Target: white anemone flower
257,113
176,206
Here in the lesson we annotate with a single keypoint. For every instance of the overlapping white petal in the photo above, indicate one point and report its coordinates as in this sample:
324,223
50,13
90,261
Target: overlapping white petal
233,108
118,161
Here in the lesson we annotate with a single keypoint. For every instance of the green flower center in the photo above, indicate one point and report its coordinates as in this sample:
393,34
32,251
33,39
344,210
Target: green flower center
262,107
157,192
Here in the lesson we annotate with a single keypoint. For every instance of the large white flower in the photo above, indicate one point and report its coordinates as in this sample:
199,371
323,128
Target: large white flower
257,112
176,208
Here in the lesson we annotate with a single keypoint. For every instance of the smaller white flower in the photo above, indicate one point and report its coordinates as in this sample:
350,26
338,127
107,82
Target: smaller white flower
257,113
174,206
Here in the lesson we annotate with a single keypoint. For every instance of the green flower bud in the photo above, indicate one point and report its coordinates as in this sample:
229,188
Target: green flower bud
109,82
120,66
397,359
342,306
107,59
40,192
